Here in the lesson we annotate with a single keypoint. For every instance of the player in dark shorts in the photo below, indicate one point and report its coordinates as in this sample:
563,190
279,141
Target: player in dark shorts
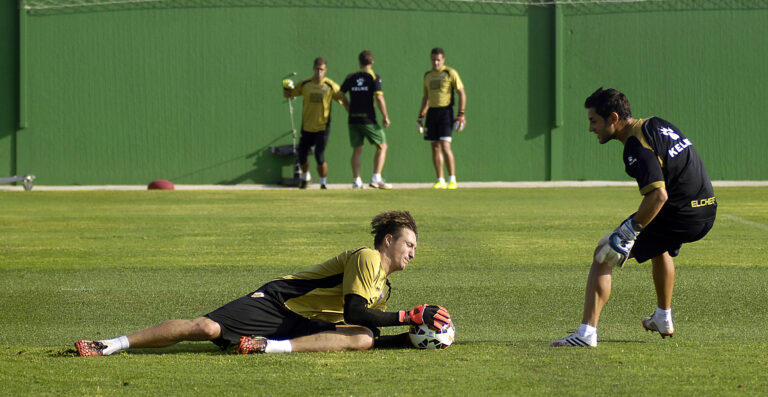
439,86
678,207
318,92
335,305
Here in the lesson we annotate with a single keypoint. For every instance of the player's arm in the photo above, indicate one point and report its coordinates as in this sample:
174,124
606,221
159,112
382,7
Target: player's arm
462,101
344,102
383,108
422,112
392,341
356,312
616,247
650,206
341,97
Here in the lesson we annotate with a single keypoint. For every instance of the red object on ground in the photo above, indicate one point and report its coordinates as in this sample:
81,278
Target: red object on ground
161,184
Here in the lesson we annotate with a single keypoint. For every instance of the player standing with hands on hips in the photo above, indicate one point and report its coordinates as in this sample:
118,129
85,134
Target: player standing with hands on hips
318,92
678,207
364,86
437,105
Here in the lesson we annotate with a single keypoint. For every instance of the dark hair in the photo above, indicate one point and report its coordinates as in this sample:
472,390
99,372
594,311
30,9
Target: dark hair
320,61
438,51
607,101
365,58
392,222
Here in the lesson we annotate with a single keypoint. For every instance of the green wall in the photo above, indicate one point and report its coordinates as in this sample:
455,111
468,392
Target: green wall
128,95
9,39
703,70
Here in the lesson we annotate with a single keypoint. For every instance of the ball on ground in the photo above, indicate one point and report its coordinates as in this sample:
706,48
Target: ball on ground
160,184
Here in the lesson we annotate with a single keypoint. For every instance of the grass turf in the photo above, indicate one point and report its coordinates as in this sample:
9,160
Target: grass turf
510,265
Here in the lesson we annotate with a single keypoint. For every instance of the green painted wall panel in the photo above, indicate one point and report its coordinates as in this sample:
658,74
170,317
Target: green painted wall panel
701,70
193,95
9,39
128,95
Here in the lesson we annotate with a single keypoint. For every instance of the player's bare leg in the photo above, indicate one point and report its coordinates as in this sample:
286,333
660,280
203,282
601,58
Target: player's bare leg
357,153
437,158
171,332
663,279
164,334
450,163
598,292
379,158
322,169
345,337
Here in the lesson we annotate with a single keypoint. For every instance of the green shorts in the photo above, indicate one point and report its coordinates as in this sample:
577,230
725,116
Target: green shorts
374,133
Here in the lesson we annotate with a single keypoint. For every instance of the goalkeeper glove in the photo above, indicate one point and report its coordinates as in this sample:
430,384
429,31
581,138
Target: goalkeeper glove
459,123
436,317
420,123
615,247
288,84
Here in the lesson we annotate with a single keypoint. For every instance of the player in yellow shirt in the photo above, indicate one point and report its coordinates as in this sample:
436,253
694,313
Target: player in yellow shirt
437,104
336,305
318,92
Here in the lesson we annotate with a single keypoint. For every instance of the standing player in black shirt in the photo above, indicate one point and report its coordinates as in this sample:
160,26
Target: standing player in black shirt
364,86
678,207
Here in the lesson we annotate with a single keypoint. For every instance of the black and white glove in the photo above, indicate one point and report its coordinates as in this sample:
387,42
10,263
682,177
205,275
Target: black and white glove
615,247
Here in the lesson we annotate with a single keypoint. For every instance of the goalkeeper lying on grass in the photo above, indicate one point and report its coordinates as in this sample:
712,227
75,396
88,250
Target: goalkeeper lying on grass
336,305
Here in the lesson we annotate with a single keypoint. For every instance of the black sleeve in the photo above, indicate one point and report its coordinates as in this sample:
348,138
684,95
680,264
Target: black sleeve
392,341
356,313
642,164
345,85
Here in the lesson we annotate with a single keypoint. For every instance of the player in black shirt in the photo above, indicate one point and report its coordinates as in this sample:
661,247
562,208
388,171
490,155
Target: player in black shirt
364,87
678,207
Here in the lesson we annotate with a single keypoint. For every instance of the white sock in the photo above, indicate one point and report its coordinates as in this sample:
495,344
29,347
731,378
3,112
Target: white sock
115,344
322,181
307,176
278,346
453,178
663,314
376,178
359,181
441,180
586,330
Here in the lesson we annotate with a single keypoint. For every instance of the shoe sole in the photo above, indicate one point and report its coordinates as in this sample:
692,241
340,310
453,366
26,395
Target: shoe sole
663,334
379,187
567,344
85,351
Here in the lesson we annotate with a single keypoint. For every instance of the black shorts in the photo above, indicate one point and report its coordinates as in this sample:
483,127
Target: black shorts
261,315
317,139
439,123
665,235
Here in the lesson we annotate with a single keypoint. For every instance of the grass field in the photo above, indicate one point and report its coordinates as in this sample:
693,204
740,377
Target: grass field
510,265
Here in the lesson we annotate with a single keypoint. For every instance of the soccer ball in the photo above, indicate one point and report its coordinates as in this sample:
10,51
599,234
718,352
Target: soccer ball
423,337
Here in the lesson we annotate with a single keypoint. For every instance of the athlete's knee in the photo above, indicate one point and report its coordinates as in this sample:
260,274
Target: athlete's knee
362,339
204,327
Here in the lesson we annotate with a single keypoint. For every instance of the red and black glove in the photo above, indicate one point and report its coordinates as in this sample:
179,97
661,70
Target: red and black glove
435,317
